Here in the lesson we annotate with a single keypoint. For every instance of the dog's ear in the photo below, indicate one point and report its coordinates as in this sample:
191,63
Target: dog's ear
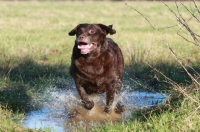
110,26
108,29
73,31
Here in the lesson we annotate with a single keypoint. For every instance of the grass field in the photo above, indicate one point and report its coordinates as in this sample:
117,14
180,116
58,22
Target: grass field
35,52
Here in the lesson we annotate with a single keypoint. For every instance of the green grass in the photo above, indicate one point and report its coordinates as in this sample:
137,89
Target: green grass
8,122
35,52
181,116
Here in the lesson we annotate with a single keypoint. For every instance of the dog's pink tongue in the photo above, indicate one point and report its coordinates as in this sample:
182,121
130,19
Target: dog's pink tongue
85,48
81,47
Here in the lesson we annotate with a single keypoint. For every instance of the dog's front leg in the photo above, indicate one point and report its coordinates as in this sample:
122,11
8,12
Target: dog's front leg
84,97
109,99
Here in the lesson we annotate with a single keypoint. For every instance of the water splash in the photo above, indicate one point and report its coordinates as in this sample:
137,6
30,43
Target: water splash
57,103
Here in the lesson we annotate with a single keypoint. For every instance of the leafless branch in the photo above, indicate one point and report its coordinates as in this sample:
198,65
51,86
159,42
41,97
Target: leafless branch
149,21
182,64
140,14
176,86
140,84
190,12
187,39
184,23
196,6
168,80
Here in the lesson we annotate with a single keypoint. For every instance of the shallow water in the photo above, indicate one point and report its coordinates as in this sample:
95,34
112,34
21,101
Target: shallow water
54,113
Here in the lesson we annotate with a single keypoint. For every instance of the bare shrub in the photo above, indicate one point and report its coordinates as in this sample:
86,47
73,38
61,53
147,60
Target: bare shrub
187,31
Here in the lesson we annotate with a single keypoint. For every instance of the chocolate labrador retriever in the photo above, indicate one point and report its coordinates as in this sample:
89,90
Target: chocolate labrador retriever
96,63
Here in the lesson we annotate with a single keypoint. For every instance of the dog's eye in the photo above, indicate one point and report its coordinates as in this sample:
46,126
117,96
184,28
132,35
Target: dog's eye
91,31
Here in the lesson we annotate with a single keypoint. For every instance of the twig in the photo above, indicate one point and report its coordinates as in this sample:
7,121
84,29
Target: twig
168,79
181,90
158,28
140,84
190,12
196,6
141,15
181,63
184,23
187,39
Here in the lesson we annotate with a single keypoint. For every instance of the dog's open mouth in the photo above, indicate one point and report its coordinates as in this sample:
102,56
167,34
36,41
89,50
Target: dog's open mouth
86,48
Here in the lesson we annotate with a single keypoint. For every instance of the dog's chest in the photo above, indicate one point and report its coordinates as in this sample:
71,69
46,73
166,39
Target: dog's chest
90,68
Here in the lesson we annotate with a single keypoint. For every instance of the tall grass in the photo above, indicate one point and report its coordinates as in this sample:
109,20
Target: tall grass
35,52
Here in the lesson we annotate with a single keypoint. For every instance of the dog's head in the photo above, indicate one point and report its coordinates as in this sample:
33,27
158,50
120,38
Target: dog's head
90,36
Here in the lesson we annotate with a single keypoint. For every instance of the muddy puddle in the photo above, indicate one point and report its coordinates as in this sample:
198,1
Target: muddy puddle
57,103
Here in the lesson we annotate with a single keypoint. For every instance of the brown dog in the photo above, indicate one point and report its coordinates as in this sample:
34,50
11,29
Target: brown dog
96,64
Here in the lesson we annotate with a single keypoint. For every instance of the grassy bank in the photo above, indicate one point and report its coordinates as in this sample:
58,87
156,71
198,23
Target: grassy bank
35,52
8,122
184,118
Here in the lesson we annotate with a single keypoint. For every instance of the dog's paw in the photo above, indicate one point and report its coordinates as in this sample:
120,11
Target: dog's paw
107,110
120,108
88,105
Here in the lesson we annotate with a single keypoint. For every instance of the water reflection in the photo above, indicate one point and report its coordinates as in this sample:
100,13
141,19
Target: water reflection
41,119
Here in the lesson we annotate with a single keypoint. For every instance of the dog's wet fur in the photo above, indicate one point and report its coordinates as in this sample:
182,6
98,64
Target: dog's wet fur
96,66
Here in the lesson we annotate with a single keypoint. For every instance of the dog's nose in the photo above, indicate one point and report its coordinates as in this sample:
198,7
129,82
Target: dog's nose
81,37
